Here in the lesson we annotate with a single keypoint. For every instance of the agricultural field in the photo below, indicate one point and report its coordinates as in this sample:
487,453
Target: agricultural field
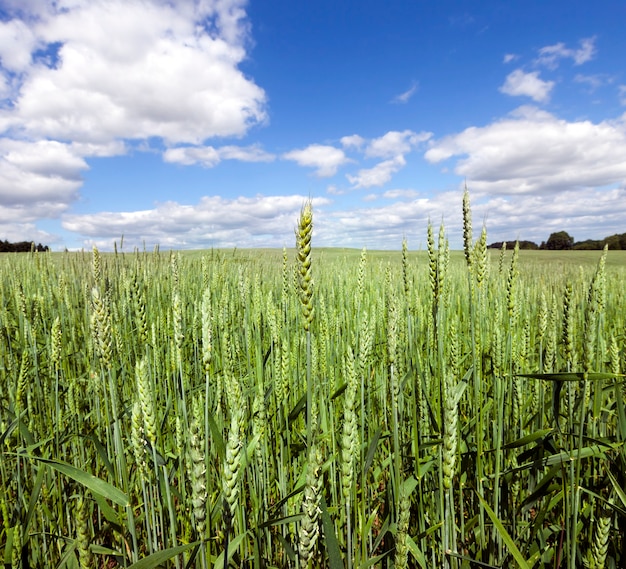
306,408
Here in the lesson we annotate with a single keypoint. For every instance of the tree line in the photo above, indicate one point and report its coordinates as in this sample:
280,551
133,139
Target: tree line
22,247
562,240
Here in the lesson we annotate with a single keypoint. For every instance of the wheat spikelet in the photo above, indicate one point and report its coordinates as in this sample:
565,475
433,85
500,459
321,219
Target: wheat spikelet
501,258
614,356
349,434
360,277
137,438
467,229
16,551
366,341
144,391
207,330
542,318
596,554
285,287
101,328
511,292
309,526
305,280
232,465
139,306
568,329
96,265
405,270
56,344
177,322
450,431
453,349
551,340
23,379
404,514
197,473
259,427
392,344
479,261
432,260
443,260
83,534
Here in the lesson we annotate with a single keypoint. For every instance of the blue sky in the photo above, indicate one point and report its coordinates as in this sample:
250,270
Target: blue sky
207,123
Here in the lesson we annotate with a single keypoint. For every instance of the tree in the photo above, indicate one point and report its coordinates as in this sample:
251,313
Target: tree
559,241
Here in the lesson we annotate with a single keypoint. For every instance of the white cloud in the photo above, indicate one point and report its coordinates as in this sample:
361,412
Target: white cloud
16,232
532,151
528,84
268,221
334,190
352,141
400,194
252,153
508,57
584,213
385,226
622,94
394,143
208,156
214,221
379,175
42,176
551,54
136,70
325,159
593,81
88,79
17,41
406,95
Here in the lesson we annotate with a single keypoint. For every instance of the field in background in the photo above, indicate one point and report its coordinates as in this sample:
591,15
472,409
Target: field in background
548,260
342,408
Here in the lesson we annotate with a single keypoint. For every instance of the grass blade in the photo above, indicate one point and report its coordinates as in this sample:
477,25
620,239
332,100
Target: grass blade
88,480
158,558
506,538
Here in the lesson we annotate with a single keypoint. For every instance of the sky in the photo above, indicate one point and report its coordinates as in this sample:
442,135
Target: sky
194,124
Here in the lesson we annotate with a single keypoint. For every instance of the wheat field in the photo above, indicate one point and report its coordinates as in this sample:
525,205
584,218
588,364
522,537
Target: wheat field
305,408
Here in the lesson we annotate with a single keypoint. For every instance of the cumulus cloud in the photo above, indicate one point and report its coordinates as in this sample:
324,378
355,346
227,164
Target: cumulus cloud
79,79
508,57
352,141
551,55
385,226
259,221
133,70
519,83
379,175
584,213
43,176
394,143
208,156
400,194
268,221
532,151
325,159
15,232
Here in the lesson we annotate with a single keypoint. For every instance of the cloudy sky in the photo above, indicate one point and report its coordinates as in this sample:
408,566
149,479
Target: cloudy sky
207,123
